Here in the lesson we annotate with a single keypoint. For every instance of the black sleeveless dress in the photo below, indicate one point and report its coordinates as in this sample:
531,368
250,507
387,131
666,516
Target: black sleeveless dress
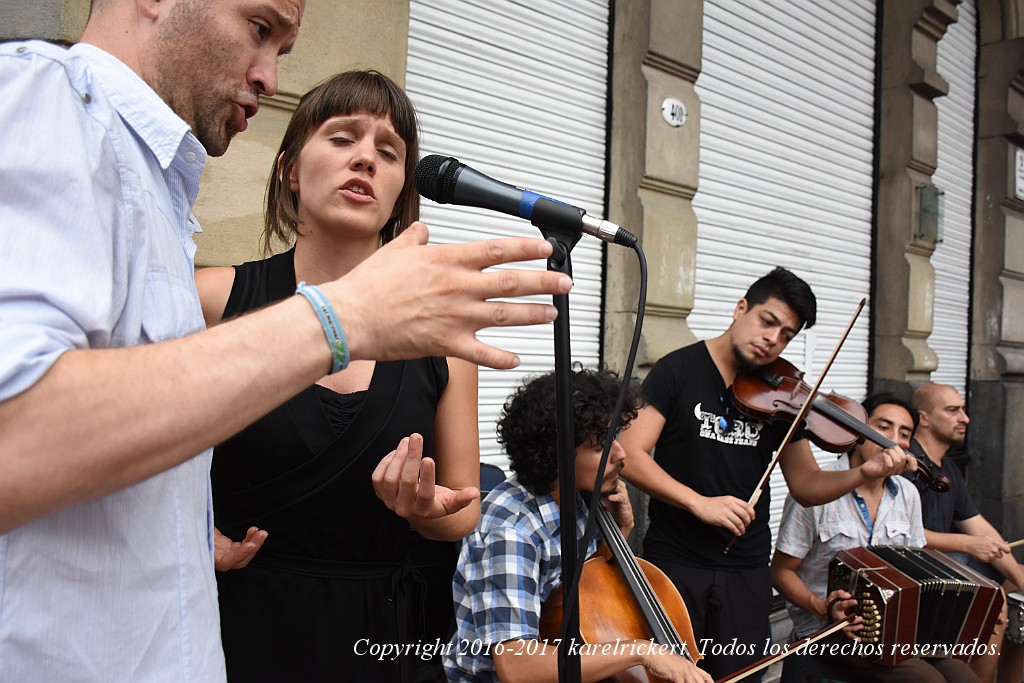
340,576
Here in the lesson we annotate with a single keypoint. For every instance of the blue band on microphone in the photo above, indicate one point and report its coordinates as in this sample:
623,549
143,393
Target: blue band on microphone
529,200
526,204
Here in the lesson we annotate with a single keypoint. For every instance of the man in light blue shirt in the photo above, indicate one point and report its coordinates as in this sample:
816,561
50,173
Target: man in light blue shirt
101,283
880,512
111,393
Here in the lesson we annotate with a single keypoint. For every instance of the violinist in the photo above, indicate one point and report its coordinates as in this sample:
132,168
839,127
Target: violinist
707,461
952,522
879,512
511,564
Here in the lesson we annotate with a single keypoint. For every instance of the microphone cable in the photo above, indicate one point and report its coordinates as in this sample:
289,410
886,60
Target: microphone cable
613,430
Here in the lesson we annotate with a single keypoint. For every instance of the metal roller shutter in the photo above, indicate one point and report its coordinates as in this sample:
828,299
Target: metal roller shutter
787,107
955,176
517,91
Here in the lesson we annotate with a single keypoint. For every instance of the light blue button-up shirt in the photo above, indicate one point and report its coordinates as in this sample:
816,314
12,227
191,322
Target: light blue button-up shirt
97,180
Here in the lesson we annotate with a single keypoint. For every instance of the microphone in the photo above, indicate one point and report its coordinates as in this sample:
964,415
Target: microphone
445,180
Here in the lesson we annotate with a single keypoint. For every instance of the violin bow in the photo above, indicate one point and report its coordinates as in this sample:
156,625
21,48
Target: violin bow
800,646
804,409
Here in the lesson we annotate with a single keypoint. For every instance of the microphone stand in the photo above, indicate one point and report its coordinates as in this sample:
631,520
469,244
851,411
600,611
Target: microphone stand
562,226
559,224
568,656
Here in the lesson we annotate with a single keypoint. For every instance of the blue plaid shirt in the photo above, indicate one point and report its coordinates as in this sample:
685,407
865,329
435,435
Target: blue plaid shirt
507,568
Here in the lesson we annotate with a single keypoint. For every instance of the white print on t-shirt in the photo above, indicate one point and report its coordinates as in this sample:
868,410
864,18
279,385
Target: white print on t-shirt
743,432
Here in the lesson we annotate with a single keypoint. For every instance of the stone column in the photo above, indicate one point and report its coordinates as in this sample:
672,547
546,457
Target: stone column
996,401
907,155
60,21
653,174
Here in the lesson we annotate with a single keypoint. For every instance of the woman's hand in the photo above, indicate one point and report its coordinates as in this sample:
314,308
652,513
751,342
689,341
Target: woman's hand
228,554
405,481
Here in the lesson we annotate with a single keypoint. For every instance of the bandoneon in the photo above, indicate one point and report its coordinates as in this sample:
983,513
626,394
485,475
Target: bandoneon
1015,618
916,602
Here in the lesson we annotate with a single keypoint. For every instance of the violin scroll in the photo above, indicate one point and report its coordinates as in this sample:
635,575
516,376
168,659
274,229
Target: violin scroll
926,475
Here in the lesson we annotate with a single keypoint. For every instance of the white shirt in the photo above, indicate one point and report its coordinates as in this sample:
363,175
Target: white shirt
97,179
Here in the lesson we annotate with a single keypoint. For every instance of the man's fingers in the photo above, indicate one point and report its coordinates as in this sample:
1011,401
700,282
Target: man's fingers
507,282
452,294
416,234
734,523
743,512
486,356
256,536
493,252
747,513
888,460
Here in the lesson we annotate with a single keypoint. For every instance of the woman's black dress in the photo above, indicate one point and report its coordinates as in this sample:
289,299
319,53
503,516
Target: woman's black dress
340,576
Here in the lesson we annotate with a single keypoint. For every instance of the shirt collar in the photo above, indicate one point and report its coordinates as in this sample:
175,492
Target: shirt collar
548,508
156,124
892,487
551,515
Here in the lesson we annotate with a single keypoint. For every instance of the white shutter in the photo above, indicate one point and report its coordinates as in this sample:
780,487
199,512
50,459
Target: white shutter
517,91
787,108
955,176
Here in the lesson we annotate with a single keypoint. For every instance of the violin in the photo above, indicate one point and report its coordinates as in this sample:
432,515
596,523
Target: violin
834,423
625,598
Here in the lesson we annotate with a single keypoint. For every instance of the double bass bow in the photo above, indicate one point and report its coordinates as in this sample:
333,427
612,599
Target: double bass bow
791,649
625,599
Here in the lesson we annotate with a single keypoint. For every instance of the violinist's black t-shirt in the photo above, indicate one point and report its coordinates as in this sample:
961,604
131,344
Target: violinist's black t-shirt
715,451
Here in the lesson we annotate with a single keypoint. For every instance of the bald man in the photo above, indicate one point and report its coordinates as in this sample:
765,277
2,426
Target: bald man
952,523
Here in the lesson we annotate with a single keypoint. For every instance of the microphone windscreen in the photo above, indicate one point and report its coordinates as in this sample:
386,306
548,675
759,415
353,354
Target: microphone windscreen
434,177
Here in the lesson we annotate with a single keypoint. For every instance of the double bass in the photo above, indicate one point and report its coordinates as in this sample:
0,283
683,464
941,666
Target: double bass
624,598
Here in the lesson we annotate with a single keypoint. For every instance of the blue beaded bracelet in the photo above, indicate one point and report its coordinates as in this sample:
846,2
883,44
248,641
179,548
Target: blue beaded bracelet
331,324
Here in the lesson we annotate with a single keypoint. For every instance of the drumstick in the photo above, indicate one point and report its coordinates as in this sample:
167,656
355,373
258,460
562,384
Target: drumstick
1016,543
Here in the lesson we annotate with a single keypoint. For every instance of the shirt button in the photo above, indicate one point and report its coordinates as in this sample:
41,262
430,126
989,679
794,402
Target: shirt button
190,157
86,97
21,49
